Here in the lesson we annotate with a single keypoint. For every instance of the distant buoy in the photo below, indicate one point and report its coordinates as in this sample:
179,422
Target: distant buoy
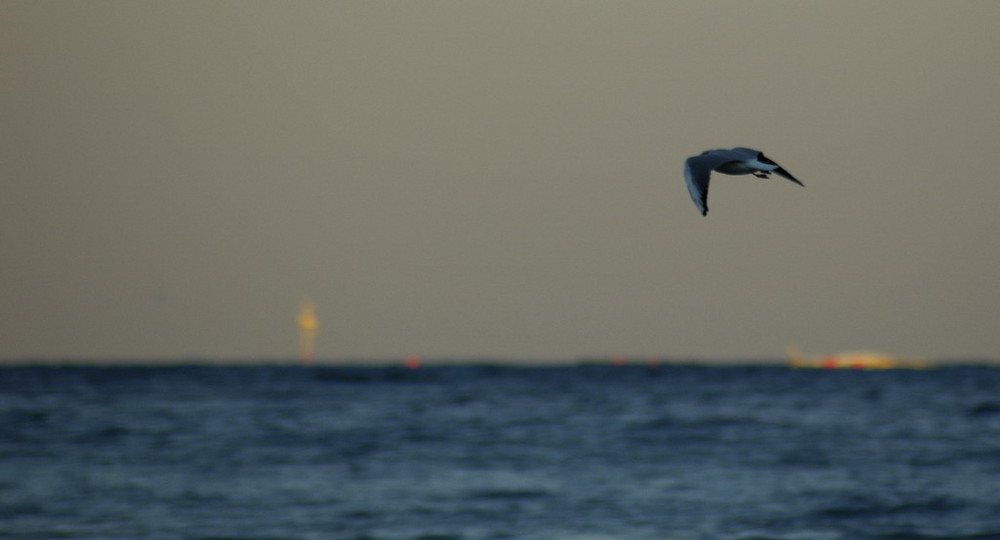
412,362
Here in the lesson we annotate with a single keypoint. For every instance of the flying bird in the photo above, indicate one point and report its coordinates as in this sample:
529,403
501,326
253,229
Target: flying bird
697,170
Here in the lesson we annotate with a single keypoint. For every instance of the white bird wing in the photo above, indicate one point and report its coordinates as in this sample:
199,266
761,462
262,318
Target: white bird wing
698,170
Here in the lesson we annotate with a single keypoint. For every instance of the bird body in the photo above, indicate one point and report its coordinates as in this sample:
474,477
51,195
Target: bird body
737,161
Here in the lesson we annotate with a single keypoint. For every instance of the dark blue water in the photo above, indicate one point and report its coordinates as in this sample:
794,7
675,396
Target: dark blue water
474,452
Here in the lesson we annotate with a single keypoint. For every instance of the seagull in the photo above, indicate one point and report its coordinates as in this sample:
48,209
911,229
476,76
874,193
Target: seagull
736,161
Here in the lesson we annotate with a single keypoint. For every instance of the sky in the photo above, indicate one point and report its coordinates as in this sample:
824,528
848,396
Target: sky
503,180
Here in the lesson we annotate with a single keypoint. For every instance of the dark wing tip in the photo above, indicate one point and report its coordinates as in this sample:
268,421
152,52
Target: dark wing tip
789,176
765,159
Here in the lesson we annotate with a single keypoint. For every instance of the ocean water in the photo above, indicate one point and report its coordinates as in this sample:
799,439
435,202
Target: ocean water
486,452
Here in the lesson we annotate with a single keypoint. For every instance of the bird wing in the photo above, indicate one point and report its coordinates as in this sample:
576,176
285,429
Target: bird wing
742,153
698,170
756,158
782,172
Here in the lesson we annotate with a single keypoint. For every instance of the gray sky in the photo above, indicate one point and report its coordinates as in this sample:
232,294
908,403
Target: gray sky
502,179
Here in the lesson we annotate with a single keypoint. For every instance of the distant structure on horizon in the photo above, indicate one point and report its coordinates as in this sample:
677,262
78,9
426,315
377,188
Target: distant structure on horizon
854,360
308,325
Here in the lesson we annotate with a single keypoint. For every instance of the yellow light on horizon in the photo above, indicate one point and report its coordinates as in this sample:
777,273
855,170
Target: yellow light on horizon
308,325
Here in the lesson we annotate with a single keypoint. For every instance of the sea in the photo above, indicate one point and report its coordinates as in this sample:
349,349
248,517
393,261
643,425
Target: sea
487,452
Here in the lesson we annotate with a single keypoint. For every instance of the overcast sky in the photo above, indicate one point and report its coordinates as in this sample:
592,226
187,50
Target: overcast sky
497,179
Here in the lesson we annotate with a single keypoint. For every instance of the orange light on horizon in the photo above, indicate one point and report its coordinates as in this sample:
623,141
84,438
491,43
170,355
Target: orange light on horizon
308,326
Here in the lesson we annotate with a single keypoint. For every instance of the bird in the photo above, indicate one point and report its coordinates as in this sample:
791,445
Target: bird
697,170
